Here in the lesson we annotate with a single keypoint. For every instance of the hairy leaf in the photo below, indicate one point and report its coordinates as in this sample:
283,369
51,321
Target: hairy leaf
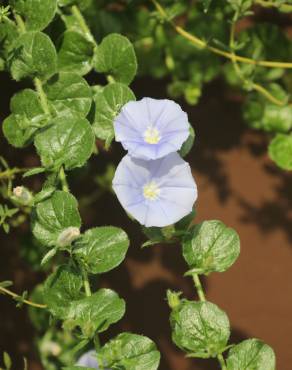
74,53
115,56
199,328
280,151
61,288
53,216
211,246
34,56
27,116
96,312
251,354
108,103
129,352
68,92
101,249
68,141
37,14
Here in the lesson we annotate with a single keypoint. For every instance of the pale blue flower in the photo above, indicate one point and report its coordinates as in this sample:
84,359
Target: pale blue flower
151,128
155,192
88,359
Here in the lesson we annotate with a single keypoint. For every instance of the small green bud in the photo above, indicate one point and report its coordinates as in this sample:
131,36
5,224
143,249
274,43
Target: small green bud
67,236
22,195
173,298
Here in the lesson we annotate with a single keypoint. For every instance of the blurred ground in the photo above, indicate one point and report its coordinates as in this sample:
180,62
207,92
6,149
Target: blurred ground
237,184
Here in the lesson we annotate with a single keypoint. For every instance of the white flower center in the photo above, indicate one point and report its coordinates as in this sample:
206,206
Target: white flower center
151,135
151,190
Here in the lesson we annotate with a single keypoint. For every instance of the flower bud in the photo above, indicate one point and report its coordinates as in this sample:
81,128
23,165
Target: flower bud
22,195
67,236
173,298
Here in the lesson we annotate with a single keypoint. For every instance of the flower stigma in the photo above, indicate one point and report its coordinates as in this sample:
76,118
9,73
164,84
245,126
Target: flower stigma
151,135
151,190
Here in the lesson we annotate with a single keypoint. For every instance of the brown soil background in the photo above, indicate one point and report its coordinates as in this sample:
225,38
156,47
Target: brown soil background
237,184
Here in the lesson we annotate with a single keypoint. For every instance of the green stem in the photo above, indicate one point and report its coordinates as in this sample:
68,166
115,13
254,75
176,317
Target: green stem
222,362
199,287
204,45
26,301
63,180
86,283
11,172
202,298
43,98
79,17
253,86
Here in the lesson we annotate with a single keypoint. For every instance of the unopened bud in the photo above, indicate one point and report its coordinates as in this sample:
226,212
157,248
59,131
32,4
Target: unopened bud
173,298
67,236
22,195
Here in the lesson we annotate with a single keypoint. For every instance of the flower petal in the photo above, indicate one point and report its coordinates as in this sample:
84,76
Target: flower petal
177,190
163,116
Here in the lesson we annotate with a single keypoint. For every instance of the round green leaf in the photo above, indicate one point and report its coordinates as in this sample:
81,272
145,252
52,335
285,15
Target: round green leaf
61,288
188,144
27,115
116,56
75,53
280,151
101,249
251,354
108,103
211,246
199,328
96,312
68,91
34,56
37,14
8,35
129,351
68,141
54,215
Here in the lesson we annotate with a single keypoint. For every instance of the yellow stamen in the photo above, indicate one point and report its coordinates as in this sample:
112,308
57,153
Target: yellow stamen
151,191
151,135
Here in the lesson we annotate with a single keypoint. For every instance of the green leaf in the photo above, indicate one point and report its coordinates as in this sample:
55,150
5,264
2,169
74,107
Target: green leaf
211,246
8,35
53,216
34,171
129,351
188,144
96,312
108,103
75,53
199,328
68,92
68,141
37,14
251,354
6,283
61,288
34,56
261,114
116,57
280,151
101,249
27,116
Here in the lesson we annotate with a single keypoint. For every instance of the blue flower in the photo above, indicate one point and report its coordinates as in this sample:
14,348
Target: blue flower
151,128
88,359
155,192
